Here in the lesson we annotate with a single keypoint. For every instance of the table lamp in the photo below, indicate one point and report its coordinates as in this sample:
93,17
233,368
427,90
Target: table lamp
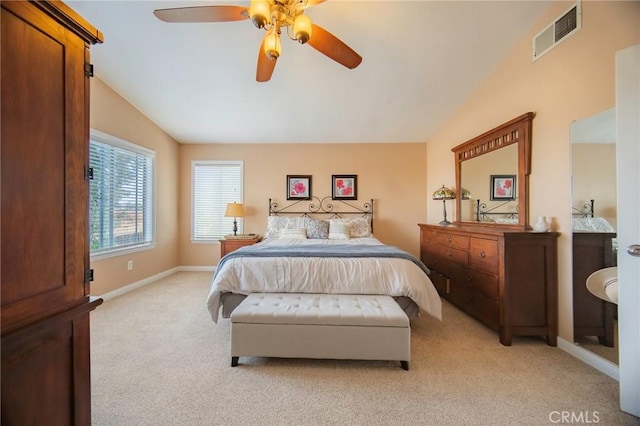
444,194
234,210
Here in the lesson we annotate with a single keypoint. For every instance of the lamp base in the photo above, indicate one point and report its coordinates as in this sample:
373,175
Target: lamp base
444,222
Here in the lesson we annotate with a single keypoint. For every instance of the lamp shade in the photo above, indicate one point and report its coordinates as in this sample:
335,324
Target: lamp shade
234,210
444,193
465,194
302,28
272,46
259,11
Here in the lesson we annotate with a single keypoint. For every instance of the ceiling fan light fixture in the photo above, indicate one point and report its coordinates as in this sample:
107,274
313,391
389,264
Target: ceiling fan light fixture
272,46
259,12
302,28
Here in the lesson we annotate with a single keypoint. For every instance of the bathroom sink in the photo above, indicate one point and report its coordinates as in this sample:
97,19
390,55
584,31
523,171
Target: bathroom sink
603,284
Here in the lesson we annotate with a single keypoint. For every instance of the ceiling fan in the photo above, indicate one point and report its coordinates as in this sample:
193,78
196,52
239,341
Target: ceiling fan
271,16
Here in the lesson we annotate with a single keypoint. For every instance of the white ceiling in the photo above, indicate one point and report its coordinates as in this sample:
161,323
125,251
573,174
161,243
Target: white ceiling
421,59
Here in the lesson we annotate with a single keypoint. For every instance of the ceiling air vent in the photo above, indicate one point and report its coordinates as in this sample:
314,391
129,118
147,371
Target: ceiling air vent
567,24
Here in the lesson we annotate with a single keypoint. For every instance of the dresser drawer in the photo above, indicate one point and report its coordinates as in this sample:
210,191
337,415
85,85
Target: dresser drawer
483,254
440,282
476,304
453,240
481,282
430,259
453,254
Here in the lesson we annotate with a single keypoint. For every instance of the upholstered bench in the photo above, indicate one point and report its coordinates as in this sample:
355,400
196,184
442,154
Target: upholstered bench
331,326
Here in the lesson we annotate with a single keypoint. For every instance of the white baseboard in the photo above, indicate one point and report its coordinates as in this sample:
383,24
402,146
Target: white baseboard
146,281
604,366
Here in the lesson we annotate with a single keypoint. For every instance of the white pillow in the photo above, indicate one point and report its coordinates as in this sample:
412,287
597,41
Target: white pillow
339,230
293,234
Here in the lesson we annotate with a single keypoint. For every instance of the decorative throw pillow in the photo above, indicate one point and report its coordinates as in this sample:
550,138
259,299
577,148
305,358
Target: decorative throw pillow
359,226
338,230
317,228
293,234
274,225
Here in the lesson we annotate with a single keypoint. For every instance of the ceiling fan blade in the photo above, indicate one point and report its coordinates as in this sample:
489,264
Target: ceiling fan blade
328,44
202,14
265,66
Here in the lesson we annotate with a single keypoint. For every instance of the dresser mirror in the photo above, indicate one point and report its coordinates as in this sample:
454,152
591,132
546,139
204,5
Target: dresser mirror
492,176
594,212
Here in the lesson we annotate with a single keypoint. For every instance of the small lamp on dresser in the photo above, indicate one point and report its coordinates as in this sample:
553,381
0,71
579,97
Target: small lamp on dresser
444,194
234,210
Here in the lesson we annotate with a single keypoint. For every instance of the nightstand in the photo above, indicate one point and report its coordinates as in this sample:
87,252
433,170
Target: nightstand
227,245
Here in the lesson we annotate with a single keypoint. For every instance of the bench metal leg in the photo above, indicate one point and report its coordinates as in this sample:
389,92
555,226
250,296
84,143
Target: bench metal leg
234,361
404,365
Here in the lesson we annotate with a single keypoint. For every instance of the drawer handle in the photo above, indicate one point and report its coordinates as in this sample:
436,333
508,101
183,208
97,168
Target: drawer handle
469,278
483,254
449,253
449,239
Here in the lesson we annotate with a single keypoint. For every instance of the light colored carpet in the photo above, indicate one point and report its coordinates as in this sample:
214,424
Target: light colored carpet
158,359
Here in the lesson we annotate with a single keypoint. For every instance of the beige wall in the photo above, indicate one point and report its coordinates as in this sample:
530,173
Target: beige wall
112,114
574,80
394,175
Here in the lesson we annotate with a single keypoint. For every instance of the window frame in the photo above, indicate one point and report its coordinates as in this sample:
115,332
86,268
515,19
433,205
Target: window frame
196,163
114,141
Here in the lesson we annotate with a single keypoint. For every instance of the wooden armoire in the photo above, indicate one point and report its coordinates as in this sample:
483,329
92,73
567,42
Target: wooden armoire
45,271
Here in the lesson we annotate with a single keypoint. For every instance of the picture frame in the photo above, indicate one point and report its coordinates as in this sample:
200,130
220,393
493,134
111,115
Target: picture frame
503,187
344,187
298,187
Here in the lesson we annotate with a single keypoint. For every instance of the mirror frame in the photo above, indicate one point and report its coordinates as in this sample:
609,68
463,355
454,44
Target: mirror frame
515,131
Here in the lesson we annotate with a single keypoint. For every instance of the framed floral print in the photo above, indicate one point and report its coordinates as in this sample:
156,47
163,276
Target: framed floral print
345,187
298,187
503,187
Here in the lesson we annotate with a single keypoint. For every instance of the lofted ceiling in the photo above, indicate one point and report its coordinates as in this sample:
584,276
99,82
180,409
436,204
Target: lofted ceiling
421,60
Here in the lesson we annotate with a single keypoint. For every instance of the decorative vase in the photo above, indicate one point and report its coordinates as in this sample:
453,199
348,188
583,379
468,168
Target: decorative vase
541,225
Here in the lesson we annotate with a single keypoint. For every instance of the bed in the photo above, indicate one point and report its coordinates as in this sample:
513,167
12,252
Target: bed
322,246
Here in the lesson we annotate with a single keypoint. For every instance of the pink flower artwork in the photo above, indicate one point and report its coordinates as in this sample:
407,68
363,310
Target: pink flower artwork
299,188
503,187
344,187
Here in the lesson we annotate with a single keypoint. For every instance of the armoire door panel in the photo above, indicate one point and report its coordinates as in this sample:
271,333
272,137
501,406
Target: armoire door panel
43,192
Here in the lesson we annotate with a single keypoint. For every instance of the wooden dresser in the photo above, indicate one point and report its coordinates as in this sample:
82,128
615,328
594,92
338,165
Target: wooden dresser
507,279
592,316
45,251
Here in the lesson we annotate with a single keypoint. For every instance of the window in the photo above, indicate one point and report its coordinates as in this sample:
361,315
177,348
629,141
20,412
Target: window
213,185
121,203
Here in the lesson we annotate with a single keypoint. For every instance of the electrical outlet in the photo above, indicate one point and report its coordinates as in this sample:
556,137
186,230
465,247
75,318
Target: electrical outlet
130,265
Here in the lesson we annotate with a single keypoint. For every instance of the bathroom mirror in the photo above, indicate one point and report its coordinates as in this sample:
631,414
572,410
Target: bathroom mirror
594,211
492,176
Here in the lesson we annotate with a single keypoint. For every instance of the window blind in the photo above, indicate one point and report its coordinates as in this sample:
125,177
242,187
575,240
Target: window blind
121,195
214,184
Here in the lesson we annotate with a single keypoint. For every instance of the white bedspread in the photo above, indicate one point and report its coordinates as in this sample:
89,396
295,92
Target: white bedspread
389,276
